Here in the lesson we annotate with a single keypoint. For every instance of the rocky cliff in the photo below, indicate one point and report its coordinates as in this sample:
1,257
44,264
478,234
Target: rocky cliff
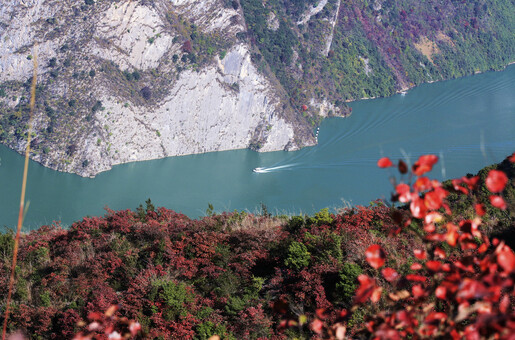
123,81
129,80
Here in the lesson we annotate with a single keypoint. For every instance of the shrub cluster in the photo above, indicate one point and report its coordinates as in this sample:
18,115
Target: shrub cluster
243,276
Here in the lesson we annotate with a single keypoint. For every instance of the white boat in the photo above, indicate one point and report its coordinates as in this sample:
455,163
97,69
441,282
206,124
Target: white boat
259,170
403,93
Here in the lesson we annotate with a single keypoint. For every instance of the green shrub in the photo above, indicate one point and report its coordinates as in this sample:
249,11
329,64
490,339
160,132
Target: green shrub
348,282
6,245
322,217
298,256
45,299
174,295
207,329
295,223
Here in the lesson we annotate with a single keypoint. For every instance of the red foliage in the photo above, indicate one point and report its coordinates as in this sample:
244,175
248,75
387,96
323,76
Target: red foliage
375,256
498,202
496,181
384,162
424,164
473,281
473,285
229,269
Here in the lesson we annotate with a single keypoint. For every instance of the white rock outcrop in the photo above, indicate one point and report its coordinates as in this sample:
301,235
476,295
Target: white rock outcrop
134,34
224,104
203,112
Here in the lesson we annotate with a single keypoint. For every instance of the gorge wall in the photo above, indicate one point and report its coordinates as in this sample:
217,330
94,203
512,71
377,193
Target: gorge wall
127,80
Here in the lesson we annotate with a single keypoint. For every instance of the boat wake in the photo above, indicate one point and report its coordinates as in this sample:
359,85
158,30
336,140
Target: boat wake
274,168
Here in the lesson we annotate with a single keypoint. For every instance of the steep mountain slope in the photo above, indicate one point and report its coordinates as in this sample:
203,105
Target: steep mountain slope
127,80
131,80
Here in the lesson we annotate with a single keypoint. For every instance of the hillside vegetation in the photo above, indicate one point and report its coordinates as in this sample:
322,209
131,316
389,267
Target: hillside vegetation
236,275
351,49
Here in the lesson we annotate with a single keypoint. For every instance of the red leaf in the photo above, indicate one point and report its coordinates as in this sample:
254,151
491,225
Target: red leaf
384,162
452,234
389,274
512,158
441,292
470,182
283,324
428,159
418,291
375,256
504,304
376,294
95,316
403,190
447,209
420,254
434,266
134,328
422,184
321,313
480,209
506,259
471,289
405,319
365,289
435,316
496,181
424,164
433,217
416,266
418,208
317,326
482,248
456,185
432,200
414,277
440,253
498,202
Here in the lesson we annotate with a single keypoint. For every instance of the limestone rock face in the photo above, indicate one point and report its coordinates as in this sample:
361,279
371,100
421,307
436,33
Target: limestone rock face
128,28
202,112
124,81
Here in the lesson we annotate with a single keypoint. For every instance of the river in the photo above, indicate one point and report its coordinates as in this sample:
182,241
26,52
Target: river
468,122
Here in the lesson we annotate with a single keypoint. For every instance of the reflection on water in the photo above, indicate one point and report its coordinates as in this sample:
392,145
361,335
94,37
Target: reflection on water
469,123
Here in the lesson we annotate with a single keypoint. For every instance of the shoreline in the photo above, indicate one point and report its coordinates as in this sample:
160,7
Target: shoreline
93,176
428,82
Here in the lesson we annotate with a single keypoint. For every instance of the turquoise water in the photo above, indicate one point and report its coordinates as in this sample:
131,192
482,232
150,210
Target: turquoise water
469,122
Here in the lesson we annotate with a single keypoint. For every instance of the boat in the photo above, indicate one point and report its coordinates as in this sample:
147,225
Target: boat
403,93
259,170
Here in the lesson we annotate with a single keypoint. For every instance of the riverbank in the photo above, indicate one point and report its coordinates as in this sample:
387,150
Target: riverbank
405,89
303,181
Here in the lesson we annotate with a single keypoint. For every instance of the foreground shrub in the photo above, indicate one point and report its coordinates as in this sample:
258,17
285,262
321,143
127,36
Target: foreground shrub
428,268
461,284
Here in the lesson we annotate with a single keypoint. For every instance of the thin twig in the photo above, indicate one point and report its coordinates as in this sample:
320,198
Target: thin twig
22,198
